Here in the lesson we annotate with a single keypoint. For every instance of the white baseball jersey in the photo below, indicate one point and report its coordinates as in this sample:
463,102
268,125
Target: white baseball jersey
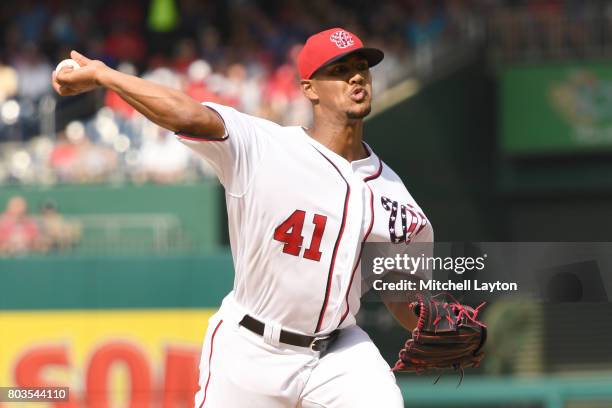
298,214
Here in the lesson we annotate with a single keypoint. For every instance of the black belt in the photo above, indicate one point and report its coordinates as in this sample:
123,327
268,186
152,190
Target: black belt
313,342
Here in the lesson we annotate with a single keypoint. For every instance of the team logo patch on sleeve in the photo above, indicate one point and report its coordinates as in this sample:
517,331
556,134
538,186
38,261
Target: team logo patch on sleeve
412,220
342,39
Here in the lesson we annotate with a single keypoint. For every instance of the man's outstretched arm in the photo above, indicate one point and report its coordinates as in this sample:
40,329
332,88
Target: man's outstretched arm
167,107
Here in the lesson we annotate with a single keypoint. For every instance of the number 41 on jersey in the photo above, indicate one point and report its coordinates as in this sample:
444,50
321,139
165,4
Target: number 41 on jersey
290,233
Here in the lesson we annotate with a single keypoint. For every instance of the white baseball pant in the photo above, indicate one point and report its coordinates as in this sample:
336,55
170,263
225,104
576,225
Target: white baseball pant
240,369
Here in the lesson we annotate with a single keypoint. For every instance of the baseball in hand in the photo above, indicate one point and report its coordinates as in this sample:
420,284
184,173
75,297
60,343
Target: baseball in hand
67,63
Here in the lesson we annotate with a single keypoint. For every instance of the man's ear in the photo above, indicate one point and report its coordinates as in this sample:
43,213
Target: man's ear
309,90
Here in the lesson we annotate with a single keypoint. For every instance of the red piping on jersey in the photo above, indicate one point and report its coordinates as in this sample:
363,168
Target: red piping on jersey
365,237
205,138
375,175
333,260
212,343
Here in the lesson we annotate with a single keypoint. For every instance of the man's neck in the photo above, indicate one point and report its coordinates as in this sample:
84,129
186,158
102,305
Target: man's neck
343,139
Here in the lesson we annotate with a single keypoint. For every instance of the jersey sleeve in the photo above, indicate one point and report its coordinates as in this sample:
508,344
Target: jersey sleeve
233,157
424,241
427,235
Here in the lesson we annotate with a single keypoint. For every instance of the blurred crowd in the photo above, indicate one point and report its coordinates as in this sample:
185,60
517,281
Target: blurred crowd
240,53
22,233
525,30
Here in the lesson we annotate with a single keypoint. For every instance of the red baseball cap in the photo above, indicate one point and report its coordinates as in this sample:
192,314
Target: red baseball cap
329,46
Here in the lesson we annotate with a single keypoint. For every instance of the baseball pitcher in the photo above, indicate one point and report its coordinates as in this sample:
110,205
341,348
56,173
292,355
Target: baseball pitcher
301,202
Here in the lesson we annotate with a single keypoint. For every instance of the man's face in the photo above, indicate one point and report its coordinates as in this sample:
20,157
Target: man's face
345,87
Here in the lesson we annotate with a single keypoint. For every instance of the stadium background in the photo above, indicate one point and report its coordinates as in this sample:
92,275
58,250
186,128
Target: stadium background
497,115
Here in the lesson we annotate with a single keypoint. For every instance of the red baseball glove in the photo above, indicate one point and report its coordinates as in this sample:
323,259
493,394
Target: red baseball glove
448,335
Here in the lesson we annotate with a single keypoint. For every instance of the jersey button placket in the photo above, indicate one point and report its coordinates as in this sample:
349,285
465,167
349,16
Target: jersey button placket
343,264
353,230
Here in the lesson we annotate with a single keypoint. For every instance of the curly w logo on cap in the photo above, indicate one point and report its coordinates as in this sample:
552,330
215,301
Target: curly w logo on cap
342,39
331,45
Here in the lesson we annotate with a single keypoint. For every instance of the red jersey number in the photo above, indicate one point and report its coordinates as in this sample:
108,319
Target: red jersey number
290,232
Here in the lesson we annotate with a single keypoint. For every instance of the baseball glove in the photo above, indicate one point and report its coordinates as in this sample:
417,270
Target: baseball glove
448,335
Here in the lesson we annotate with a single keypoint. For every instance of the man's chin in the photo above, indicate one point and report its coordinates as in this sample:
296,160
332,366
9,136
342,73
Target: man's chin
359,113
